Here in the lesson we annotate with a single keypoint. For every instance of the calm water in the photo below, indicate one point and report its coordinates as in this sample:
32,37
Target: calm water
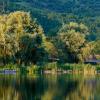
49,87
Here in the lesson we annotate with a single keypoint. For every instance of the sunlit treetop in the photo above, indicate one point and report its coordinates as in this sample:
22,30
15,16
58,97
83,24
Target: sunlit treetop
81,28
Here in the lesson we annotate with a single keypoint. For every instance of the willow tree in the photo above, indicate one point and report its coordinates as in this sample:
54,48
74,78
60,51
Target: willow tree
14,27
73,37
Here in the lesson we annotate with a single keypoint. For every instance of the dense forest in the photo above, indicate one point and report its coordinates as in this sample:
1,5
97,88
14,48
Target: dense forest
51,14
36,31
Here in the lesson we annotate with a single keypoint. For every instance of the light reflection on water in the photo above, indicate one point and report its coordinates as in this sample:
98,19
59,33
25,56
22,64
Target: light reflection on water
49,87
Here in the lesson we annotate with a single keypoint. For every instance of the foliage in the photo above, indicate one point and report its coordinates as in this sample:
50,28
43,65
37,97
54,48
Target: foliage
79,68
98,68
34,69
97,47
10,67
50,49
70,34
21,37
52,14
51,66
73,26
73,37
23,42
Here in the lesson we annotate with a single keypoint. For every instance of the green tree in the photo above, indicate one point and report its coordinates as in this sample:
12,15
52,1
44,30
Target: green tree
16,26
75,44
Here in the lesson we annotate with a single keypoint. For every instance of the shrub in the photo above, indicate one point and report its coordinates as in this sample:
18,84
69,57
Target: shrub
97,67
34,69
10,67
51,66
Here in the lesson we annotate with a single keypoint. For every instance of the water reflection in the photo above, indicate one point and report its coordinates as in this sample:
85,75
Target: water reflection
49,87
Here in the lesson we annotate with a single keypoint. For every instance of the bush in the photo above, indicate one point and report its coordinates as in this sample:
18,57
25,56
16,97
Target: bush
77,67
51,66
98,67
34,69
10,67
70,66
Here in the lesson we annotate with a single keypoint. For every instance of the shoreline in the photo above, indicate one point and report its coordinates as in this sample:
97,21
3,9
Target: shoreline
52,68
13,71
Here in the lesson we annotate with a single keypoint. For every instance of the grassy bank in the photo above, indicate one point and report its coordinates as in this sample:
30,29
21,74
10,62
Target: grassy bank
53,68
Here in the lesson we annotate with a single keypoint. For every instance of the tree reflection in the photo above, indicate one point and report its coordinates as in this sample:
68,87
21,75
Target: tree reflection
48,87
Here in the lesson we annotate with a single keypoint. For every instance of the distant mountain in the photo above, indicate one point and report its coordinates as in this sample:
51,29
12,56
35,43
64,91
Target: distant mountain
52,13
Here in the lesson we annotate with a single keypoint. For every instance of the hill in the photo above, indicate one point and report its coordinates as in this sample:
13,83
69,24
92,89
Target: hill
51,14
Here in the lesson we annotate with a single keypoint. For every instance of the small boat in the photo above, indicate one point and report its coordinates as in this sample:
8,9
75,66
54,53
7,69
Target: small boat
7,71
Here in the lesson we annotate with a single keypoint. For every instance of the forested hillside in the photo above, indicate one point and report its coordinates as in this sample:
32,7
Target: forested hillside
86,7
51,14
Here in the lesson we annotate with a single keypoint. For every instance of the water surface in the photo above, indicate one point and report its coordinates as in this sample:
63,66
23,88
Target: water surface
49,87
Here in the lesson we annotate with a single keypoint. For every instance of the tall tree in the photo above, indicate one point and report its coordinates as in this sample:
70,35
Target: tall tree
16,26
73,37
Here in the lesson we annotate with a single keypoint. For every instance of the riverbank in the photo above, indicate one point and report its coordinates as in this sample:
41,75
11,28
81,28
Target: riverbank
52,68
